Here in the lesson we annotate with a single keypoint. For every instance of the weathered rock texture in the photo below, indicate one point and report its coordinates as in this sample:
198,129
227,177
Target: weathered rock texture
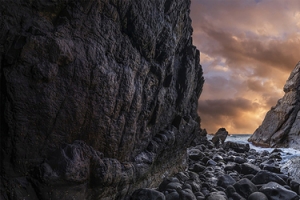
98,97
281,126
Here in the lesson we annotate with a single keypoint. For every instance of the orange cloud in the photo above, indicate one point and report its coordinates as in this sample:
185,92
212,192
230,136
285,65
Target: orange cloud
248,49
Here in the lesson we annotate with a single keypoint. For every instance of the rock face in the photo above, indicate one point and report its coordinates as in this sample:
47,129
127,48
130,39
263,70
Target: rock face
281,126
95,96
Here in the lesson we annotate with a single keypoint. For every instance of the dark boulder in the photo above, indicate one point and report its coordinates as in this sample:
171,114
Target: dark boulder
232,194
257,196
225,180
186,194
217,196
295,186
163,185
173,196
211,162
274,191
239,160
263,177
237,147
245,187
195,154
219,137
217,157
197,168
270,165
248,168
147,194
231,166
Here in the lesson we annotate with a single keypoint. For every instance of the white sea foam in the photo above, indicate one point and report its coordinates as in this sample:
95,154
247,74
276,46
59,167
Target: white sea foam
287,154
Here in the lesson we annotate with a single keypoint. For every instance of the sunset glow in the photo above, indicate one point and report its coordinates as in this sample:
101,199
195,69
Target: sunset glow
248,49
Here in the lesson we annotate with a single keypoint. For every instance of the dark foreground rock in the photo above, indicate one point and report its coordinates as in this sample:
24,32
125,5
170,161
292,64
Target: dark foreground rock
228,179
281,125
95,96
274,191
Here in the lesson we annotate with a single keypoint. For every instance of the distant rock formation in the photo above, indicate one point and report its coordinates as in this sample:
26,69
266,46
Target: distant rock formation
98,98
220,136
281,126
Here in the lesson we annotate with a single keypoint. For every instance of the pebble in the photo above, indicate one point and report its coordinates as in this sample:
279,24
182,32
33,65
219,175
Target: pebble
229,171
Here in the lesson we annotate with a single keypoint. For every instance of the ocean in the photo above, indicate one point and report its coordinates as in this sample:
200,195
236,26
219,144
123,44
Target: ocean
288,153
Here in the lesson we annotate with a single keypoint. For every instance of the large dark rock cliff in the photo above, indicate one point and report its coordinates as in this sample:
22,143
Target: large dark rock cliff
281,126
98,97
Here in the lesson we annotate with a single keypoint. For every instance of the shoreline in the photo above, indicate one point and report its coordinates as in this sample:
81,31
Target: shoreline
232,170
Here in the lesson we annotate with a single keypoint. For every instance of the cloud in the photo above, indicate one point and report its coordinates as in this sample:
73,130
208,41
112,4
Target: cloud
224,107
230,113
247,51
260,53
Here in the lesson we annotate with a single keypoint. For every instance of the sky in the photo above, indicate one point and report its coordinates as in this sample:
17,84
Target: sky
248,48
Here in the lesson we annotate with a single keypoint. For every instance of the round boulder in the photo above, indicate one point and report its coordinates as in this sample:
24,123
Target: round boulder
147,194
225,180
257,196
274,191
245,187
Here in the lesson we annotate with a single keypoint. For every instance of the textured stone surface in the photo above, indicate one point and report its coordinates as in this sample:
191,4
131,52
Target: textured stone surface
291,167
95,96
281,126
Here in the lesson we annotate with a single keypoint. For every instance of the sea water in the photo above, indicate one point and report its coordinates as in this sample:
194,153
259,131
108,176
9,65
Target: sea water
288,153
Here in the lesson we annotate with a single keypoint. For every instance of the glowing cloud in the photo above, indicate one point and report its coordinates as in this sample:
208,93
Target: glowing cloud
247,53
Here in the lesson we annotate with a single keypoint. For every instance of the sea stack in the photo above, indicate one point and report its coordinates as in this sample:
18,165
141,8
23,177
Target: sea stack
281,126
98,98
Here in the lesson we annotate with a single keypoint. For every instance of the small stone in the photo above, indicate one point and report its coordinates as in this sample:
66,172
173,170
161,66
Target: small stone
257,196
237,147
195,154
217,196
187,194
173,196
231,192
211,163
174,185
225,181
231,166
248,168
240,160
265,153
217,157
275,155
197,168
165,182
147,194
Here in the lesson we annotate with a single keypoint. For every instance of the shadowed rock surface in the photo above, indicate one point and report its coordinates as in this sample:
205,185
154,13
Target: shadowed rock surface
281,126
95,96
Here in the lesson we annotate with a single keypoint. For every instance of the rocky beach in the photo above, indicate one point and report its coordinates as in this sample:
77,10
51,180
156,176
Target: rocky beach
230,171
99,101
